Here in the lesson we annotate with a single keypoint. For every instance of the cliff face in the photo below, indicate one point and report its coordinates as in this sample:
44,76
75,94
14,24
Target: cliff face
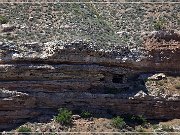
112,70
40,79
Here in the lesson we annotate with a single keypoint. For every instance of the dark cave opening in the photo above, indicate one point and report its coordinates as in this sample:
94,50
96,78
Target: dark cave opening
118,79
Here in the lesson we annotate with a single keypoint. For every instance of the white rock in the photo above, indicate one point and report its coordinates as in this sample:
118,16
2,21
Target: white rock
159,76
140,94
7,27
75,117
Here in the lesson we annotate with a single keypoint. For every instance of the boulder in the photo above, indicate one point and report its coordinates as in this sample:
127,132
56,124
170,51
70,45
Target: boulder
7,27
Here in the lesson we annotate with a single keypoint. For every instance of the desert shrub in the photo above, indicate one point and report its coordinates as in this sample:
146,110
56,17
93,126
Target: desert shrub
24,129
3,19
85,114
64,116
139,119
135,119
159,24
118,122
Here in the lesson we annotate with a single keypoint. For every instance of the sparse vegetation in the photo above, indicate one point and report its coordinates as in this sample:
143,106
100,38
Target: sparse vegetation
135,119
85,114
24,129
139,119
108,27
3,19
159,24
64,116
118,122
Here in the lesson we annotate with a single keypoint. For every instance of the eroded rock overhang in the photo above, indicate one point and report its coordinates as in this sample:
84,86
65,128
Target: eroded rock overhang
37,78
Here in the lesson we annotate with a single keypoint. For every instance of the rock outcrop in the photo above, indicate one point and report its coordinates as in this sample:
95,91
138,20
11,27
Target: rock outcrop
105,72
37,79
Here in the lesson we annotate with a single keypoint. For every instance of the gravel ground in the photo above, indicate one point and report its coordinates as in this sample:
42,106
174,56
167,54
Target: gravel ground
101,125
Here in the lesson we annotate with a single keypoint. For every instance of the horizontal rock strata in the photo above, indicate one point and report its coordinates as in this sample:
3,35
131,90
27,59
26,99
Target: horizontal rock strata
37,83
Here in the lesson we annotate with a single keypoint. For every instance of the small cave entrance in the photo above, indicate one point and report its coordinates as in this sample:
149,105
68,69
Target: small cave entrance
118,79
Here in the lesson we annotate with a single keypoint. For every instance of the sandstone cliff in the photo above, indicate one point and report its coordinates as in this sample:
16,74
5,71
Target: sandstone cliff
37,78
34,82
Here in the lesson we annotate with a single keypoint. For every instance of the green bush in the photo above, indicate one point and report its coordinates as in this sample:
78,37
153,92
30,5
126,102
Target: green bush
159,24
139,119
3,19
118,122
85,114
24,129
64,116
135,119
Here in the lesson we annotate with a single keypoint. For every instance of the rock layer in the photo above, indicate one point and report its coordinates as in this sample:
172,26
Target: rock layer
40,79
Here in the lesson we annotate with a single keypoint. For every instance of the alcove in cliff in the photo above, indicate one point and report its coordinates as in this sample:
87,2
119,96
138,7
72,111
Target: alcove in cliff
118,79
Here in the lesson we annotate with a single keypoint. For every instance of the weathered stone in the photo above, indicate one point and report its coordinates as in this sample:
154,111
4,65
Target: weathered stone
7,27
159,76
37,79
75,117
151,76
